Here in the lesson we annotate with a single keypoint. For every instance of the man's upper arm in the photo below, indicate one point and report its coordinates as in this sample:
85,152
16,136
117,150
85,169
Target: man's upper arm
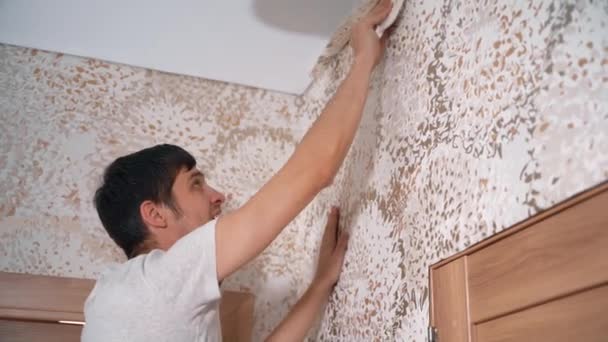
185,274
246,232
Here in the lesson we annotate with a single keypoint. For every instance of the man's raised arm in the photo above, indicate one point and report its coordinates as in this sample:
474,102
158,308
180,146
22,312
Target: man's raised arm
244,233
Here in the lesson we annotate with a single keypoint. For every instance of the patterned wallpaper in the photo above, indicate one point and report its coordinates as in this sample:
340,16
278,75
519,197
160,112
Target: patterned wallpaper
480,116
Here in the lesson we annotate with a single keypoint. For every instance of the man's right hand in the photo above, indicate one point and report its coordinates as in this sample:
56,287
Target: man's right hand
367,47
331,253
310,307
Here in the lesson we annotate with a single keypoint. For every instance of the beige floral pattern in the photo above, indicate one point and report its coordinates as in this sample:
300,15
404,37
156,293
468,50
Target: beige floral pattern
480,116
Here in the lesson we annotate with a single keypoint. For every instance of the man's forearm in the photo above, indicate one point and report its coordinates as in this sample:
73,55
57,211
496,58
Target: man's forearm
327,142
302,316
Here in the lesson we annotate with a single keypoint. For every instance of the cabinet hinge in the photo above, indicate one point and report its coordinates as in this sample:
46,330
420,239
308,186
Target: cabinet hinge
433,337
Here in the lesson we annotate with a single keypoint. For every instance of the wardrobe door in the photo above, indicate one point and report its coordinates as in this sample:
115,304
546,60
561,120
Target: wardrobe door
544,279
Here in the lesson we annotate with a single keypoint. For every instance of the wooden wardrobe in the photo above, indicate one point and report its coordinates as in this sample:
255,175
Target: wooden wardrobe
50,309
545,279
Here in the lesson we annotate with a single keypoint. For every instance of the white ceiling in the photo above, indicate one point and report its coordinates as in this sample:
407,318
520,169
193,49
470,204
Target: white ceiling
269,44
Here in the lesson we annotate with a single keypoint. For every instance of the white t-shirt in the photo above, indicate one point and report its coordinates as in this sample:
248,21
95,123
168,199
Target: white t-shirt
160,296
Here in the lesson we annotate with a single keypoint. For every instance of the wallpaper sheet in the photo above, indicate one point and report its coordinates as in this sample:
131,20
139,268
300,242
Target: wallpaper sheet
482,114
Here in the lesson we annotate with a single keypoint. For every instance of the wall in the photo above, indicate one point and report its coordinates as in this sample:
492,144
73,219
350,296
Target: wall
64,119
483,114
480,116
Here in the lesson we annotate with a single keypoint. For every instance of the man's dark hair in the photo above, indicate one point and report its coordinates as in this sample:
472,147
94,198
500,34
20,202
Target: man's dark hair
130,180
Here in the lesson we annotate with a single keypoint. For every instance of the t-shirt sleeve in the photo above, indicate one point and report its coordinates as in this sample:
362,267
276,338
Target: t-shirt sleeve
187,273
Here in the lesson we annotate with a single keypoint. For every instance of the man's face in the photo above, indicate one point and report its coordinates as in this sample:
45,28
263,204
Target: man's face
199,203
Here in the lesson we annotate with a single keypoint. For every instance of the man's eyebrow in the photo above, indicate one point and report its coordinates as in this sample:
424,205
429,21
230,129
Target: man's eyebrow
196,173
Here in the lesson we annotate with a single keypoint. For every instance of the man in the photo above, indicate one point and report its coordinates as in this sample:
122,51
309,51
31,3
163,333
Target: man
156,205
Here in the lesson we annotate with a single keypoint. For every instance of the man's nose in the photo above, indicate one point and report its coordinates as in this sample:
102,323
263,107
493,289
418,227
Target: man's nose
217,197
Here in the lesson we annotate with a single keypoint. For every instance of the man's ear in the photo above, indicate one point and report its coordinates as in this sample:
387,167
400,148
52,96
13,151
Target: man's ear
153,215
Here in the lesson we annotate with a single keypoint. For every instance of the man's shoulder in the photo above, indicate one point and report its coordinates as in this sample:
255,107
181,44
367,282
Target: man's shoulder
119,280
118,273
